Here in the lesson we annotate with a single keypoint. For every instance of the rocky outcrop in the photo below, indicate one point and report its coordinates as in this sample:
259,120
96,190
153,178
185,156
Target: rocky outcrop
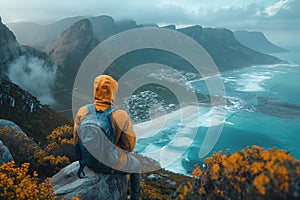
103,27
278,108
257,41
95,186
19,144
5,155
12,127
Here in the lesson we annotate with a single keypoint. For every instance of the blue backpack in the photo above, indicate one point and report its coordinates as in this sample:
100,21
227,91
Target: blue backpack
97,147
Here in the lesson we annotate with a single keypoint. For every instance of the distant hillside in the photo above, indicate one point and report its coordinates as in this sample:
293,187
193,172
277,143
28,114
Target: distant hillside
257,41
226,51
21,107
221,44
42,34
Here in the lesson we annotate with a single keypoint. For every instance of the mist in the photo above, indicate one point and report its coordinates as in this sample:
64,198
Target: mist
33,75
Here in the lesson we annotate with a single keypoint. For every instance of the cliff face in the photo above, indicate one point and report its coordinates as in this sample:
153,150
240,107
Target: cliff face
257,41
103,27
227,52
9,48
26,66
71,47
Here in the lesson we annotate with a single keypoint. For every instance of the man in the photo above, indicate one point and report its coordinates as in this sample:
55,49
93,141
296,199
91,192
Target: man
105,89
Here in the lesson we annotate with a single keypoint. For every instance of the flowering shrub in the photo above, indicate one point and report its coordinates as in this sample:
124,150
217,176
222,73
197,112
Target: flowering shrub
60,142
16,183
253,173
47,161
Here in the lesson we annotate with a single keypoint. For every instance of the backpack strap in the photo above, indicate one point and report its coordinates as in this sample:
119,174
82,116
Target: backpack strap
91,109
80,173
80,170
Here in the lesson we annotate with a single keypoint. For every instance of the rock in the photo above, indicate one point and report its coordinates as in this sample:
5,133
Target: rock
18,143
172,183
5,155
94,186
12,126
155,177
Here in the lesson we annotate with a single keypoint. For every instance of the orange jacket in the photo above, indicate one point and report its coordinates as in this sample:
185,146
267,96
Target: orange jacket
105,89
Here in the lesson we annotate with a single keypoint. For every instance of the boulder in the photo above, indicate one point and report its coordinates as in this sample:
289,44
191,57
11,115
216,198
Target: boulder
93,186
12,127
5,155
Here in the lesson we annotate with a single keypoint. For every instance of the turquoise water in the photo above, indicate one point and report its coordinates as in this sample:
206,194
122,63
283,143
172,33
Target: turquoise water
264,110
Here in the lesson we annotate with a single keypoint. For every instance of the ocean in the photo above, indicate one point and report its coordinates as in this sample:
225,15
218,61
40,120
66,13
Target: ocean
263,109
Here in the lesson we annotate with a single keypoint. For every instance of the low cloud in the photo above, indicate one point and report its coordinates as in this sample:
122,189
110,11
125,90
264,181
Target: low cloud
33,75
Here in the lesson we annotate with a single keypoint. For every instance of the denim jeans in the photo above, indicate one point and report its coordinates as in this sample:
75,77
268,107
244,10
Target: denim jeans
133,167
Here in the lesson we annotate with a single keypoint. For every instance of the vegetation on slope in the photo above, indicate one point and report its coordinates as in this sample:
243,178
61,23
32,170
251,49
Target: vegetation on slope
252,173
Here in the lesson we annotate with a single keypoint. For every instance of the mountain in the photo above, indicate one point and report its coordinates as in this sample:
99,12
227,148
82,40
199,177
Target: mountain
220,43
257,41
69,48
42,34
226,51
68,51
72,46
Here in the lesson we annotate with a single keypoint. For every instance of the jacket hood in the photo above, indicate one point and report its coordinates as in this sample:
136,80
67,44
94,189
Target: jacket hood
105,90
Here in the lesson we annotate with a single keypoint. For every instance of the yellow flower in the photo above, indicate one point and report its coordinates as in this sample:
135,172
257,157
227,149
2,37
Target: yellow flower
197,172
240,179
265,155
186,190
259,182
298,170
216,168
284,187
208,161
256,167
201,191
215,171
255,147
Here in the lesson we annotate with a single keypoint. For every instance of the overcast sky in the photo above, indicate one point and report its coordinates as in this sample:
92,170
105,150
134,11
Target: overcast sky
278,19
